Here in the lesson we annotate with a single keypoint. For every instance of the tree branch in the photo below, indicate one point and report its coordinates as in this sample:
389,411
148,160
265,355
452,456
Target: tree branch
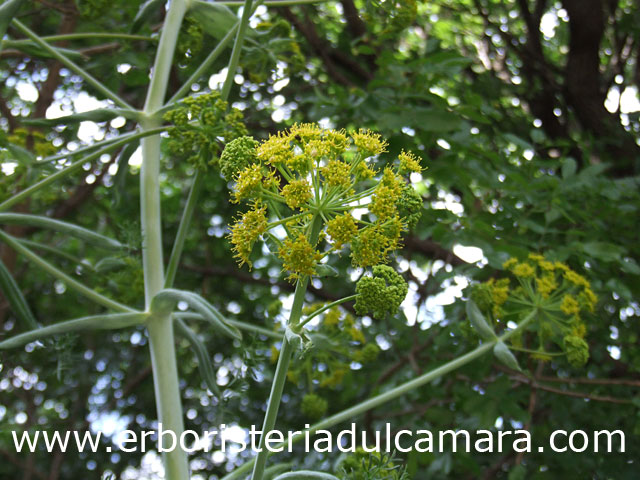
535,382
584,90
317,45
16,461
355,24
432,250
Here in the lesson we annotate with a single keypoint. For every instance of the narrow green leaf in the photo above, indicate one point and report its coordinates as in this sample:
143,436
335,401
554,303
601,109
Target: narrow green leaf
109,264
7,11
111,321
629,265
520,142
478,321
215,19
62,276
88,236
14,296
324,270
55,251
104,145
34,50
569,168
502,353
605,251
204,359
306,474
165,301
58,55
234,323
119,180
19,154
97,115
144,13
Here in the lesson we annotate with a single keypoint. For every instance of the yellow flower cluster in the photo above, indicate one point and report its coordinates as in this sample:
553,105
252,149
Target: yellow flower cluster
546,284
248,183
337,173
298,256
297,193
553,280
319,177
558,296
569,305
523,270
341,229
247,230
374,243
369,143
408,163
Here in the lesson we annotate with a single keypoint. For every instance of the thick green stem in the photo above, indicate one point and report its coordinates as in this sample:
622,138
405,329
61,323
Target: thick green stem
387,396
167,392
161,339
271,414
283,363
279,379
150,210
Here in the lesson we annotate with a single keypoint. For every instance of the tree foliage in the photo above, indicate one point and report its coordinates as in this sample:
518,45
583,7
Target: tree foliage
523,118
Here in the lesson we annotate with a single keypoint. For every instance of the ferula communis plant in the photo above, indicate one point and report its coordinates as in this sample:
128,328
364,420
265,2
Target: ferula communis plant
309,193
304,186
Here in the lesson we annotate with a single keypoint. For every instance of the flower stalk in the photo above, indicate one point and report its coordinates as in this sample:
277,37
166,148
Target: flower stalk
284,358
389,395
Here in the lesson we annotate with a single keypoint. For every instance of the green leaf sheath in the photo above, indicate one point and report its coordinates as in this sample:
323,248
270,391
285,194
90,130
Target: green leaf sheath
200,350
478,321
165,300
502,353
